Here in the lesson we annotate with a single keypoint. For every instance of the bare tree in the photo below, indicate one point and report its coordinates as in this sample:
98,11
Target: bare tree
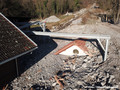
116,10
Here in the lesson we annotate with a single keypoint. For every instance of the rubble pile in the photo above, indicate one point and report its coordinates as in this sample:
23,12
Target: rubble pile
55,72
82,73
74,72
51,19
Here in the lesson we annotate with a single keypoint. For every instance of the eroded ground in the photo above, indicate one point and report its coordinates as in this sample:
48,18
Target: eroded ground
44,70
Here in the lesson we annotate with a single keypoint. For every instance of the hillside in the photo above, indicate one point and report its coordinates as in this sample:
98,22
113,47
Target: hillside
45,8
46,71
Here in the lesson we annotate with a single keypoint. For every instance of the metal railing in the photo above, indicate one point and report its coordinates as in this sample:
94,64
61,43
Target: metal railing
73,35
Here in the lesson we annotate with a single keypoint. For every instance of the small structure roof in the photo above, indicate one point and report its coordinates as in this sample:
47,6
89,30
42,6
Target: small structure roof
13,42
79,43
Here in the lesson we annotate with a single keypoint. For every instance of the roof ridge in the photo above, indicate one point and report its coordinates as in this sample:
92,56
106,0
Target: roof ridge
19,44
79,43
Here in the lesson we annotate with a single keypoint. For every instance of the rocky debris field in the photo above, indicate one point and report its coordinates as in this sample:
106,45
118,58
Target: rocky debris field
54,72
45,71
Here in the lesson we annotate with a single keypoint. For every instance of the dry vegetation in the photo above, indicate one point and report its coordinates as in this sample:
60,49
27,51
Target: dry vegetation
63,19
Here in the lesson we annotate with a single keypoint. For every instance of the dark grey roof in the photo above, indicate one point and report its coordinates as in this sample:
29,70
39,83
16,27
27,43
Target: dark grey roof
13,42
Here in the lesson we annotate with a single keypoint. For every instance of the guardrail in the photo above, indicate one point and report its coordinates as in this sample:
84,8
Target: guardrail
98,37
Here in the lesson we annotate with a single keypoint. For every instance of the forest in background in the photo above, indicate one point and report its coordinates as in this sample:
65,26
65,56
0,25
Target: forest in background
40,8
45,8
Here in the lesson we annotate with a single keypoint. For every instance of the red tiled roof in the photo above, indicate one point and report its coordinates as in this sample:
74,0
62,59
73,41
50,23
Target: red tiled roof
79,43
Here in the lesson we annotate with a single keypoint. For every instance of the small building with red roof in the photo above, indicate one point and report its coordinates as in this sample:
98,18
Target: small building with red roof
76,47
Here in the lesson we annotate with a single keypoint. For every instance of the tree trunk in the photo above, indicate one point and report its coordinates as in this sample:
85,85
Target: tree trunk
118,15
116,11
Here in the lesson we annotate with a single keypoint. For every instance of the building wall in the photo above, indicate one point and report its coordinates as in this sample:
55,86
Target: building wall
69,51
7,73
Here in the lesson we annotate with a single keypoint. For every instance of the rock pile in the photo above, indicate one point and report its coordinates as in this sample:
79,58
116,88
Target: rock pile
51,19
55,72
68,73
83,73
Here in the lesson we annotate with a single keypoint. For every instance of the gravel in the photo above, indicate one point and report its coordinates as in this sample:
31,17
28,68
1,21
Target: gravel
51,19
76,72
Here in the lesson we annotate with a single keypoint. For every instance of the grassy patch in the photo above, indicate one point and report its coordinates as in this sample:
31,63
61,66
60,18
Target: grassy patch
66,18
63,19
89,18
34,26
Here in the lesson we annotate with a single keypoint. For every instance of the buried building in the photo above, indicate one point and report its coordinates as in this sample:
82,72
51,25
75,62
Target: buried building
13,44
76,47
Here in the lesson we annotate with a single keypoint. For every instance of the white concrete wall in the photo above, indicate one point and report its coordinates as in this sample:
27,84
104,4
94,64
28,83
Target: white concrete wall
69,51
